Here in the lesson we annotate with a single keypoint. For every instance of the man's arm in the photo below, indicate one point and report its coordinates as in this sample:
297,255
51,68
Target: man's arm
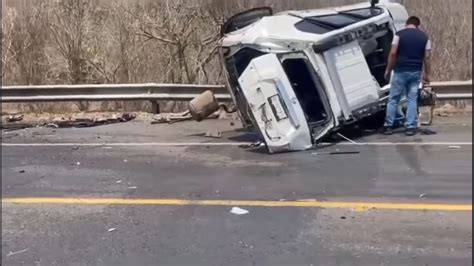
392,57
427,63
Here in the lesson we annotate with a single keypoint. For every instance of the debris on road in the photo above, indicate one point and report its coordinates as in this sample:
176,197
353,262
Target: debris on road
455,147
171,118
53,125
118,181
16,252
422,195
21,171
335,152
78,163
203,106
346,138
15,118
87,122
71,122
15,126
206,106
125,160
425,131
132,187
111,229
445,110
256,144
213,134
75,148
238,211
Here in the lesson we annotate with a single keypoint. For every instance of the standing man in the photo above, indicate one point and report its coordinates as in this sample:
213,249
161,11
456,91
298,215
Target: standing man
410,54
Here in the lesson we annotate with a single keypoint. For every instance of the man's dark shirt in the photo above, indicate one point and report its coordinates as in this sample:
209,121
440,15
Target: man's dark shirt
412,46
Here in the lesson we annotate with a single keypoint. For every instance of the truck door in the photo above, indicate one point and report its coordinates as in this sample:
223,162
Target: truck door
355,86
274,106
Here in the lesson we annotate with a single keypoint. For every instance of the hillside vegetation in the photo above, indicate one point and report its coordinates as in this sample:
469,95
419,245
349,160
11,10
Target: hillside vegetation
136,41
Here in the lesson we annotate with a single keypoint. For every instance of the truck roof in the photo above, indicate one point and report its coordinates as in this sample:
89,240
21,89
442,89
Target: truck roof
325,11
314,25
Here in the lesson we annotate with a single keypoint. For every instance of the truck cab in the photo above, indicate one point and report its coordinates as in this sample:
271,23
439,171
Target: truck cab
297,76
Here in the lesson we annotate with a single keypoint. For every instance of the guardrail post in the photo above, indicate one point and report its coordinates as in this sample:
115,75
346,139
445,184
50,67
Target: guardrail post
155,107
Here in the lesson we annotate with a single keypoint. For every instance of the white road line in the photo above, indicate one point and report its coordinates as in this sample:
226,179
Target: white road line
183,144
126,144
405,143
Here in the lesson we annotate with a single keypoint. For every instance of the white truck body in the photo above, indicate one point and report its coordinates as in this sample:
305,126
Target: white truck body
295,76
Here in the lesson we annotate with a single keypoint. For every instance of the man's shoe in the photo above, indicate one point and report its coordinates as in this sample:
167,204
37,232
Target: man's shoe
410,132
388,131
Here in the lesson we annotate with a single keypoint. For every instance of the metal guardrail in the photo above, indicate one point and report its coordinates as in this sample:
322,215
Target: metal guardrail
455,90
110,92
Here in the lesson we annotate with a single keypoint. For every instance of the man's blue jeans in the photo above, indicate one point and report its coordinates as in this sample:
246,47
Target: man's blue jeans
404,83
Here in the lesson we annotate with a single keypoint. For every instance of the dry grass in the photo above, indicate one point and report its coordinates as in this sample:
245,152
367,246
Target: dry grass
77,41
135,41
449,24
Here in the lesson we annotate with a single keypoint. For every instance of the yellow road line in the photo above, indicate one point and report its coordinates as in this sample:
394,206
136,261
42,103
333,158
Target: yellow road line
255,203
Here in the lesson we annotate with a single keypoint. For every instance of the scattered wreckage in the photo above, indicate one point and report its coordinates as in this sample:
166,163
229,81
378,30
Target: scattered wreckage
12,122
297,76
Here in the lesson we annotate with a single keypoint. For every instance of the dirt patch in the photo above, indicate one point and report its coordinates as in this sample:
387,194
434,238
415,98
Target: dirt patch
450,108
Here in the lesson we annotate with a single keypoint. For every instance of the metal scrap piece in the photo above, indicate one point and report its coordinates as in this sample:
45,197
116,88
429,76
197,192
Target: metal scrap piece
213,134
15,118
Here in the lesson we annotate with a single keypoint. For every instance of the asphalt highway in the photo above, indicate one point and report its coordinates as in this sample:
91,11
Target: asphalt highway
141,194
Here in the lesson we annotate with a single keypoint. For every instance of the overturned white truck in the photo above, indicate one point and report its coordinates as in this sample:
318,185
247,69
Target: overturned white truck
296,76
